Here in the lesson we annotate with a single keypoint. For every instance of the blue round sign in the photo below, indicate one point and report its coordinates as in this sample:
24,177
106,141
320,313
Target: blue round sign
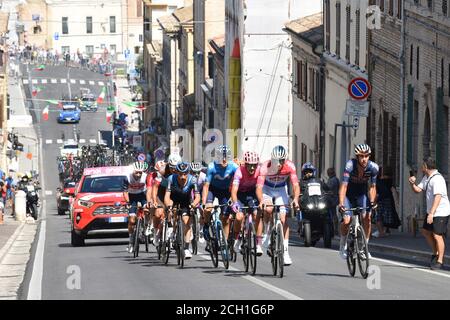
359,89
141,157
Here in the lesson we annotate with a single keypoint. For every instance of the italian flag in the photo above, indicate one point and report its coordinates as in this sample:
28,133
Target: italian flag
45,113
40,68
101,97
108,116
35,91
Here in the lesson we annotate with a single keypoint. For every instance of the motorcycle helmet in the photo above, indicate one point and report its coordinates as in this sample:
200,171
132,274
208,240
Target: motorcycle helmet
308,167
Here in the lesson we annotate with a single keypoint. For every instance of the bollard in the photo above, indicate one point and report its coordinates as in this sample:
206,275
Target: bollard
20,205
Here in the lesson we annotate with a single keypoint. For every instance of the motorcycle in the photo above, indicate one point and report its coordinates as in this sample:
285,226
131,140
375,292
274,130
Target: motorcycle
32,198
313,219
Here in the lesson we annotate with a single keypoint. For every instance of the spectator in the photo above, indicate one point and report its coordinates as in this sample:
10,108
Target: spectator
3,190
333,188
10,187
386,216
438,210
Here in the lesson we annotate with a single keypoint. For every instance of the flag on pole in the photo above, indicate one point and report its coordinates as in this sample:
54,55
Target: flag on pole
40,68
108,116
111,109
35,91
45,113
101,97
52,101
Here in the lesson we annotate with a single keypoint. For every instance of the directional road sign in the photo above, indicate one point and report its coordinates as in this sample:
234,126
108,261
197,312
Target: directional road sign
359,89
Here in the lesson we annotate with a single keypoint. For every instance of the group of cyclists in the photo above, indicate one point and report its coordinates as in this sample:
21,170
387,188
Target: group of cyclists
236,184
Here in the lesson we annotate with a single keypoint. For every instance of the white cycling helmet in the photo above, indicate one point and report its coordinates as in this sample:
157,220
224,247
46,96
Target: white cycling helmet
279,153
173,160
196,167
361,149
140,166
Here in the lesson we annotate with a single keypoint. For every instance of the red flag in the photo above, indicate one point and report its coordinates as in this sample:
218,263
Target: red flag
108,117
45,113
101,97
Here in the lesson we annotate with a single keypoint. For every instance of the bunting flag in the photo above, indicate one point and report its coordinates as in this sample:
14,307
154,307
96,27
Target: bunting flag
101,97
40,68
110,109
45,113
108,117
35,91
52,101
131,104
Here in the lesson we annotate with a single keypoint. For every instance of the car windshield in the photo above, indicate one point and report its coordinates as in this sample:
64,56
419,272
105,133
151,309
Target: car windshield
69,184
71,146
103,184
69,107
88,99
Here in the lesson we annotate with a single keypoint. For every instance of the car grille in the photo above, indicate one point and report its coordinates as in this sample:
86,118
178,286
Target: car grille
111,210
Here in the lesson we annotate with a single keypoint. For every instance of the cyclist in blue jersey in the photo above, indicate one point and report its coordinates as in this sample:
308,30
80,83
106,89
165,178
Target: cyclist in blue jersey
179,192
358,189
217,185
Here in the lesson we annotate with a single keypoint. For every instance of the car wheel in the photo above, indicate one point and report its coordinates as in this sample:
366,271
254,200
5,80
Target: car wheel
77,240
61,211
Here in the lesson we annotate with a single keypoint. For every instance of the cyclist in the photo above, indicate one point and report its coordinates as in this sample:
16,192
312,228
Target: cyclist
135,190
353,192
243,193
272,183
218,179
196,171
179,192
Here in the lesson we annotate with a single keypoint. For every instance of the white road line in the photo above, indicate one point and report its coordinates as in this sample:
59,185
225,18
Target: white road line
53,81
101,83
82,141
92,141
401,264
63,81
48,192
49,141
34,81
91,82
73,81
261,283
25,81
82,81
43,81
59,141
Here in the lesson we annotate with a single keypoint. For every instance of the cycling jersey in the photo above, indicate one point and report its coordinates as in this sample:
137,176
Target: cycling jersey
135,186
244,180
357,183
150,179
220,177
269,178
201,178
182,195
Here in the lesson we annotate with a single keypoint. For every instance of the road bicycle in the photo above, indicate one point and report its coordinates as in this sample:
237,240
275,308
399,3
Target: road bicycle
248,236
357,248
163,248
139,230
195,225
217,241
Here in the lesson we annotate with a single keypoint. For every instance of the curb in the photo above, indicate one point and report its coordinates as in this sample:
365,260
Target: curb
4,251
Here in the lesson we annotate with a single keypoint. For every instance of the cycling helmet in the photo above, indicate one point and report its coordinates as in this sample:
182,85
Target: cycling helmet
251,157
279,153
173,160
308,166
140,166
361,149
183,167
221,153
196,167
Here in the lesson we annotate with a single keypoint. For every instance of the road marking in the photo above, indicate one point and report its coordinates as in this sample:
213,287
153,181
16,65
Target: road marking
100,83
48,192
34,81
49,141
59,141
43,81
261,283
63,81
411,266
25,81
73,81
53,81
92,141
82,141
82,81
91,82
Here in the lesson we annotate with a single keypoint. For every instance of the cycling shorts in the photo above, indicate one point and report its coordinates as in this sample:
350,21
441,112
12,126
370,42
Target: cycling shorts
358,201
134,199
161,193
280,194
247,199
223,195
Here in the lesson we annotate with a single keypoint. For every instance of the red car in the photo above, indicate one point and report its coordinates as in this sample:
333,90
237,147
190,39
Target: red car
99,207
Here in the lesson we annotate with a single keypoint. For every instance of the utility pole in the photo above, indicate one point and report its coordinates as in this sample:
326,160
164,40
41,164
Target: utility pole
402,116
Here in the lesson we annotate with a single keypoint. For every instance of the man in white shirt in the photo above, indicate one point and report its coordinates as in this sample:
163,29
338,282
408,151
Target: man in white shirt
438,210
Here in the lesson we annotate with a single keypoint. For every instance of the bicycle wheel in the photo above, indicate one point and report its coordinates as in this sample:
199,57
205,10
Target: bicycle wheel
223,246
252,247
146,238
230,241
280,249
273,257
245,250
180,243
363,252
166,251
195,233
136,238
351,261
213,252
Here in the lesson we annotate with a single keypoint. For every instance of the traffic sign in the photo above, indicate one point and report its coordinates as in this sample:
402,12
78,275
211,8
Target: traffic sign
355,123
359,89
141,157
56,36
357,108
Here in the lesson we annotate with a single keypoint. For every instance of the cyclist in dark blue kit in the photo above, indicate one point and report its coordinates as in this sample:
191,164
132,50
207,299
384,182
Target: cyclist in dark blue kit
358,187
179,191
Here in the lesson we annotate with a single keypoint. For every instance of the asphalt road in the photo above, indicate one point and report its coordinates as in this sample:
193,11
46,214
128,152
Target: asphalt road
107,271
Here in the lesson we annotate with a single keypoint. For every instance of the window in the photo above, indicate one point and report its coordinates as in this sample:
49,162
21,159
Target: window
304,153
88,24
417,63
136,49
299,78
411,60
327,43
399,8
358,36
138,8
311,97
415,132
112,24
90,50
382,5
146,24
112,49
347,45
448,79
391,7
141,38
65,27
338,29
430,4
442,73
445,7
65,49
305,81
37,29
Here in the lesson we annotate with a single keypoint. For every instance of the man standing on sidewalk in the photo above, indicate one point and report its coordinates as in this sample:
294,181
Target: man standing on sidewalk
438,210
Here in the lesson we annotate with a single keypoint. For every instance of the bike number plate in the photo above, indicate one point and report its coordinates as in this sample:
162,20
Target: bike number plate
314,189
117,219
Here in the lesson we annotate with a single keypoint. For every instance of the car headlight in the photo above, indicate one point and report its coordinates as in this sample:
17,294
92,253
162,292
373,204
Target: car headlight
321,205
85,203
310,206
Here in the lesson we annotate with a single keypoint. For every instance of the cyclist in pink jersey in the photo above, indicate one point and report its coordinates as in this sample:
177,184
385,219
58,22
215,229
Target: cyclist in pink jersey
243,193
272,183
